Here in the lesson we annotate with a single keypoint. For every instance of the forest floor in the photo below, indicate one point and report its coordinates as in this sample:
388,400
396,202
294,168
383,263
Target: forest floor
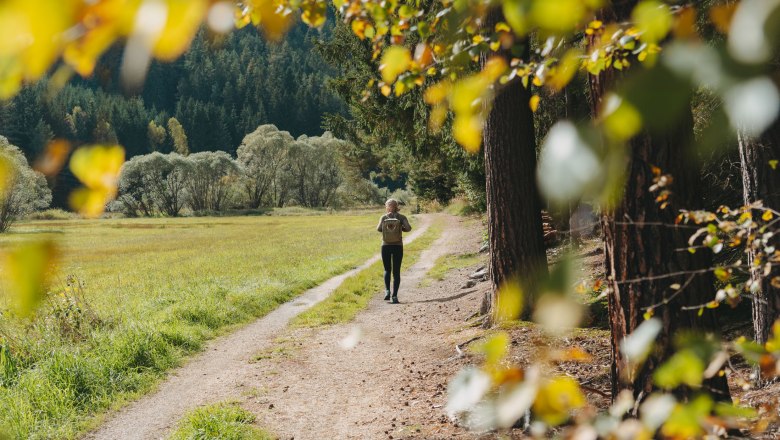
382,376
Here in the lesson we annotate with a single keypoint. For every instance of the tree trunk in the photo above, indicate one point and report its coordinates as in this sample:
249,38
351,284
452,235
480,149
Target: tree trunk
762,182
642,244
513,205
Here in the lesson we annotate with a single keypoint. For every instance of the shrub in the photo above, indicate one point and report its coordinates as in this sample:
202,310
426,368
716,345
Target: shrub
22,190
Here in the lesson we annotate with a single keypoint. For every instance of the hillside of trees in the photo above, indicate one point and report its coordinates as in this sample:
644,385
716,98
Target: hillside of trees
218,92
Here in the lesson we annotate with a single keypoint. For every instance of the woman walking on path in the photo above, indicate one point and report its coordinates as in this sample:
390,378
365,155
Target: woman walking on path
391,225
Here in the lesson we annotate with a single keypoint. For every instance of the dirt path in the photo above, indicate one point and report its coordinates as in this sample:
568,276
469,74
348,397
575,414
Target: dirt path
393,383
221,371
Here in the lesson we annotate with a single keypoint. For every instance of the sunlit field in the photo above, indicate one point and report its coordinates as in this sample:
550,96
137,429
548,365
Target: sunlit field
132,296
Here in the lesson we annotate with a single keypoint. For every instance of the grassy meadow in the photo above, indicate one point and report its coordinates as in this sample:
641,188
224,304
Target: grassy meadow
133,296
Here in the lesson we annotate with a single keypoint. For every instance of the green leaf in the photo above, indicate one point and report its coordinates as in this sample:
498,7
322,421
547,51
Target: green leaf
621,119
728,410
684,368
653,19
515,13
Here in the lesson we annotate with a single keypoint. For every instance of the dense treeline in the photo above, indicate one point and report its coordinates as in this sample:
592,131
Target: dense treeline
390,137
272,169
208,100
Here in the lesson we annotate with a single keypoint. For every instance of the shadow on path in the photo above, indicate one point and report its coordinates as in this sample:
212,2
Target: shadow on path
445,299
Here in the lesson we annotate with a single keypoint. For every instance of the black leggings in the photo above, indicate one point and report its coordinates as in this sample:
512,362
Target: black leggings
392,255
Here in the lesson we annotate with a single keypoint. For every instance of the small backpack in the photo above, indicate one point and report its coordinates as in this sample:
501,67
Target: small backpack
391,230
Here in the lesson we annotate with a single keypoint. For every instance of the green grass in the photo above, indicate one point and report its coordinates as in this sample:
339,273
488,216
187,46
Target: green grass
354,294
221,421
154,291
449,262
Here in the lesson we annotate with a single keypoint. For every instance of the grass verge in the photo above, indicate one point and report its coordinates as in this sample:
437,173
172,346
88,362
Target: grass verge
221,421
355,292
133,297
449,262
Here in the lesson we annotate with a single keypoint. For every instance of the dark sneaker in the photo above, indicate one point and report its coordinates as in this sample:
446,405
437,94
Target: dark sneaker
387,295
395,299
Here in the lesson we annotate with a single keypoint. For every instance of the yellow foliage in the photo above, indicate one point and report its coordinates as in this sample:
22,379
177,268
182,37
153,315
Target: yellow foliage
559,16
395,61
183,19
557,397
495,348
563,73
27,271
509,302
467,131
97,167
620,119
653,19
437,93
314,12
272,17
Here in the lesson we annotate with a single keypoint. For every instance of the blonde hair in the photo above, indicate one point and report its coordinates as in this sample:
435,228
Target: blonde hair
393,202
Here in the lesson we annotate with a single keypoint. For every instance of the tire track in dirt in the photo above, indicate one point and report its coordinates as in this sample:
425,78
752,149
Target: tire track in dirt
222,368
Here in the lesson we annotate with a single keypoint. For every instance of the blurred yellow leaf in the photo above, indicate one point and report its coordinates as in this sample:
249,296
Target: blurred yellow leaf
359,27
395,61
272,17
400,88
242,20
90,203
31,33
557,397
314,12
183,19
467,94
27,271
685,420
494,68
467,131
437,118
559,16
437,93
509,302
103,23
533,103
653,19
767,216
516,14
97,167
565,70
684,368
621,120
495,348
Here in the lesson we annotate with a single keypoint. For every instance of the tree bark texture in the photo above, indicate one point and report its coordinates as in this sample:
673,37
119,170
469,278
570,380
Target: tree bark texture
513,205
762,182
642,244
